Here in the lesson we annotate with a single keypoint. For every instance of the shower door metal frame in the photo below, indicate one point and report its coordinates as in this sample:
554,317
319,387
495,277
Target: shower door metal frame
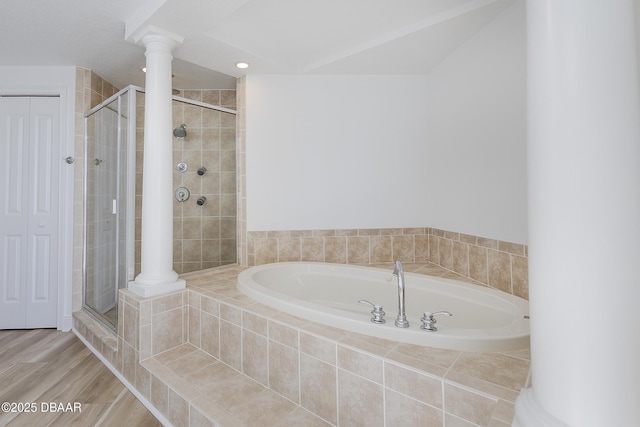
130,197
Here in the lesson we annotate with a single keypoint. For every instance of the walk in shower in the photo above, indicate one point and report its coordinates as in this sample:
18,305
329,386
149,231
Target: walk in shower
204,157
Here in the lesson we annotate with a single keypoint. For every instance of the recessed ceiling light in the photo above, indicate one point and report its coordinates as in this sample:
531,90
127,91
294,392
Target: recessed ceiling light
242,65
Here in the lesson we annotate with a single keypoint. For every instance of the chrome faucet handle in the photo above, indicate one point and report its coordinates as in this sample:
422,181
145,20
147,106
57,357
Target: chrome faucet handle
429,322
377,312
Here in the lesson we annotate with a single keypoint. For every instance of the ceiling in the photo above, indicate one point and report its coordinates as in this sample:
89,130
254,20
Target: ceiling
274,36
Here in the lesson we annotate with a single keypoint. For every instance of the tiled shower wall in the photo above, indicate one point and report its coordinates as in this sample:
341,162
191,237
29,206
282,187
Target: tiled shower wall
203,236
494,263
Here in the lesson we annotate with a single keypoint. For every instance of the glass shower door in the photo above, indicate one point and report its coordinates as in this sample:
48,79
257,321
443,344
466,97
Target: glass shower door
106,225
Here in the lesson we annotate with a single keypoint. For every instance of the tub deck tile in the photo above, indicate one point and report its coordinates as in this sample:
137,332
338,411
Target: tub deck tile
482,386
477,387
417,364
500,369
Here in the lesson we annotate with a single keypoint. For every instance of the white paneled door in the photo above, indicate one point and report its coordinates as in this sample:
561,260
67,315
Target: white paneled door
29,211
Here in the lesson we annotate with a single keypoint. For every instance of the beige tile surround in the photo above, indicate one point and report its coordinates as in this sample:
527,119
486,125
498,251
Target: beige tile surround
490,262
210,356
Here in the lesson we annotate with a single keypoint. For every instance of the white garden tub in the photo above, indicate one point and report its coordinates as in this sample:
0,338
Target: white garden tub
484,319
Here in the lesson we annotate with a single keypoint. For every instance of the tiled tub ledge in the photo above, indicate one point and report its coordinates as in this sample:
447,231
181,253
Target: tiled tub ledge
210,356
296,367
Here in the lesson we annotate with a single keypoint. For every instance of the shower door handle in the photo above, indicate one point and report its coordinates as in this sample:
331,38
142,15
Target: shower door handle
69,160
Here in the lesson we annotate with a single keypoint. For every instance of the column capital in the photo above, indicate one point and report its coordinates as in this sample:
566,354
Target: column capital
150,34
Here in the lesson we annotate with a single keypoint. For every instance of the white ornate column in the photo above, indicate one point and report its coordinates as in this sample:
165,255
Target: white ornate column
157,276
584,215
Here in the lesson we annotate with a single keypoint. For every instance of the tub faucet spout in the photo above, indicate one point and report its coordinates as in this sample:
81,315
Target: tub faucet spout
401,320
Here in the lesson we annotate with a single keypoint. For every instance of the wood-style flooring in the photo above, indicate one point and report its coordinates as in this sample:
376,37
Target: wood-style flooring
45,368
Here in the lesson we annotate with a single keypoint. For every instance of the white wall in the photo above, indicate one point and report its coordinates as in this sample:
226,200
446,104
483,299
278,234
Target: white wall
477,133
335,152
445,150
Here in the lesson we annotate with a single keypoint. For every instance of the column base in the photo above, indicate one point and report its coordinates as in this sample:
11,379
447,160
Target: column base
530,414
151,289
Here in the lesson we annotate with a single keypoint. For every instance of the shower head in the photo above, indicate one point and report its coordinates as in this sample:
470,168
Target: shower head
180,131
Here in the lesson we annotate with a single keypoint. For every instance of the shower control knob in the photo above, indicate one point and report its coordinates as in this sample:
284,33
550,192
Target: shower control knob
182,194
201,201
201,171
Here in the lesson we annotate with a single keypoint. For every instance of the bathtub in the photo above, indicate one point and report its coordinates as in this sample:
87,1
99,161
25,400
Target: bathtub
484,319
